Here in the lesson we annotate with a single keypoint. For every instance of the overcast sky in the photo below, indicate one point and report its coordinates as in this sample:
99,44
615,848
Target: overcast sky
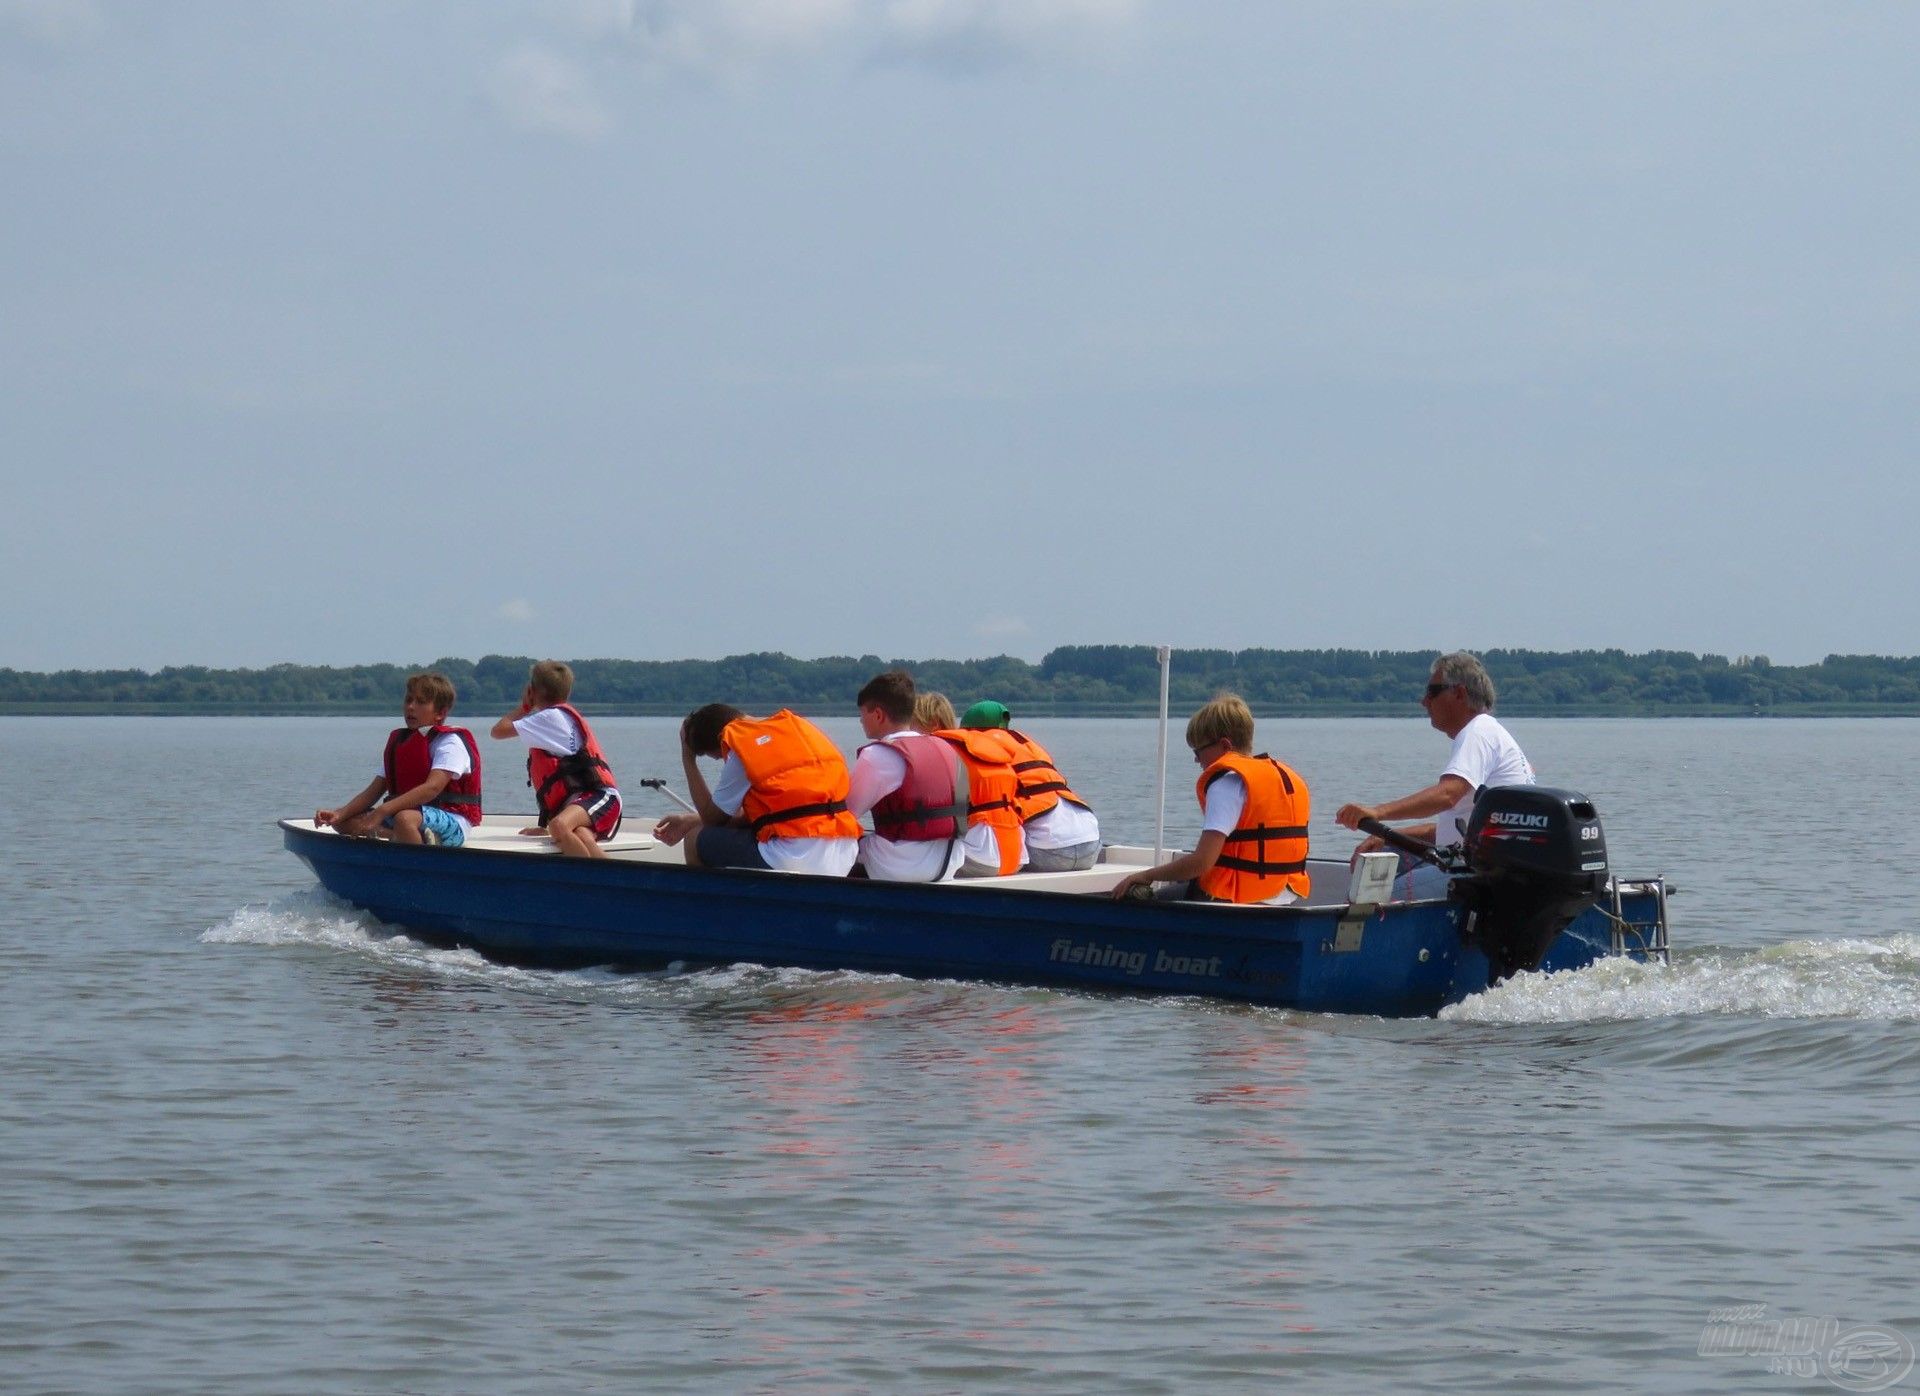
671,328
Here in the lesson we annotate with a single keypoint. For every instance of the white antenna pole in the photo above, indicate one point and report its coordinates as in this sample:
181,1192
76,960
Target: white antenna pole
1165,653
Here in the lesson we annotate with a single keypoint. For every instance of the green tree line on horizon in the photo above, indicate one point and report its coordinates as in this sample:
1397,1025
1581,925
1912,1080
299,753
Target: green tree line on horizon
1072,677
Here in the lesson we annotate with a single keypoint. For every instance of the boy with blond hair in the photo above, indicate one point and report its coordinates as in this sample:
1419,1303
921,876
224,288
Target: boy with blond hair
1253,832
573,786
428,789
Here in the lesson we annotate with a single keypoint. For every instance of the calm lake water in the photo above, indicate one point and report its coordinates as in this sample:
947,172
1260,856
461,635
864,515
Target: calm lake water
251,1142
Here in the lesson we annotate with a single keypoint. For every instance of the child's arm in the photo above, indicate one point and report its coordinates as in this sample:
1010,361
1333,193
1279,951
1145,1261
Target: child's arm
674,827
697,792
503,729
419,797
359,804
365,823
1206,852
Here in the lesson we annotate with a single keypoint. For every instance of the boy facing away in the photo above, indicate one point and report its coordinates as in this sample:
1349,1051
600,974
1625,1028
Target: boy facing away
572,783
428,789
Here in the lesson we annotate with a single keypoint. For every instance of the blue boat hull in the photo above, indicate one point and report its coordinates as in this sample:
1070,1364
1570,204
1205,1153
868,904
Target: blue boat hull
1406,959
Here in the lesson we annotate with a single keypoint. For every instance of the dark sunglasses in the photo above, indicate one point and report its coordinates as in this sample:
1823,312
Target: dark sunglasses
1434,690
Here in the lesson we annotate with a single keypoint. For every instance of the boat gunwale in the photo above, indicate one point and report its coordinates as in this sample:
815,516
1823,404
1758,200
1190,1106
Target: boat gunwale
771,878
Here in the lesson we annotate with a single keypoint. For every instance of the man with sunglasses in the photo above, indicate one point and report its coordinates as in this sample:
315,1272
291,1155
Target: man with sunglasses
1459,701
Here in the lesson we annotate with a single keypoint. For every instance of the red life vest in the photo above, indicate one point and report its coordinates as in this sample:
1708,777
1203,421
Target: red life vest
1040,785
931,802
409,760
1266,854
557,779
989,754
796,779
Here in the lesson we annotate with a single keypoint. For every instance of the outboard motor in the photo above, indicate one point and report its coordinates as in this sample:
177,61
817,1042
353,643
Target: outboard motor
1536,859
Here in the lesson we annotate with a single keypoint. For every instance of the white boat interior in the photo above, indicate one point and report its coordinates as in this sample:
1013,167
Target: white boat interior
500,833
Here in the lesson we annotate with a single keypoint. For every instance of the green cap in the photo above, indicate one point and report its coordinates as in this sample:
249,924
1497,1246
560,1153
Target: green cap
986,713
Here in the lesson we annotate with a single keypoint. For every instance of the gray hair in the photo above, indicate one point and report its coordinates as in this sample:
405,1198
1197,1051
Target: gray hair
1467,671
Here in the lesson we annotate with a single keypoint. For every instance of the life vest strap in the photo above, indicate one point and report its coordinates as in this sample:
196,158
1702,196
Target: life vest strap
572,774
926,814
989,805
781,816
1285,831
1254,865
578,766
1044,788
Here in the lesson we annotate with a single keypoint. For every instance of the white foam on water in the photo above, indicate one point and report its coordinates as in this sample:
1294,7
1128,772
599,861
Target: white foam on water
300,918
1869,979
313,918
316,919
1873,979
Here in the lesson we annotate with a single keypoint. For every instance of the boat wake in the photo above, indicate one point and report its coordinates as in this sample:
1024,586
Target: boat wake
1865,979
1869,979
314,919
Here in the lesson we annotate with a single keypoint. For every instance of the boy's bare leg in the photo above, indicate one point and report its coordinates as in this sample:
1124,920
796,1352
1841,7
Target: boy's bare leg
406,827
571,831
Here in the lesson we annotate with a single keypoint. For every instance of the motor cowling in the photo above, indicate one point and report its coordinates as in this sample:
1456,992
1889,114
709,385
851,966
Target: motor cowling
1536,859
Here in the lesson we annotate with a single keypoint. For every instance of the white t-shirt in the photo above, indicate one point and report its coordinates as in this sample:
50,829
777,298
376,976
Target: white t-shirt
877,773
828,857
1484,753
551,730
448,754
980,846
1226,802
1066,825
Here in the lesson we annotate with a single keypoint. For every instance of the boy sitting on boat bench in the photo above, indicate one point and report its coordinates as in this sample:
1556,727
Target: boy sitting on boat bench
780,802
1061,832
912,784
1253,834
428,789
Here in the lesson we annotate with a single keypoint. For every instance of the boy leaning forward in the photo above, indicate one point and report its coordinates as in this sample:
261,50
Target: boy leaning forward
572,784
780,801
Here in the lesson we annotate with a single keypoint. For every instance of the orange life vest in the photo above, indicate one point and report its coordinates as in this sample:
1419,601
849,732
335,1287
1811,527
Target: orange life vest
1040,785
409,760
1266,854
988,754
796,779
557,779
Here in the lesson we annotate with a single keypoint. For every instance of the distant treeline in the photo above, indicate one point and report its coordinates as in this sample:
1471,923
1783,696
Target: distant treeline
1085,679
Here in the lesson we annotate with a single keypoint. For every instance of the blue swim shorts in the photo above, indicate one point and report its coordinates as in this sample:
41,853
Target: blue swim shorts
437,826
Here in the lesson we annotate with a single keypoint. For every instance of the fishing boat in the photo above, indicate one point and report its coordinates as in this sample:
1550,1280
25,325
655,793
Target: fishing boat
1535,894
